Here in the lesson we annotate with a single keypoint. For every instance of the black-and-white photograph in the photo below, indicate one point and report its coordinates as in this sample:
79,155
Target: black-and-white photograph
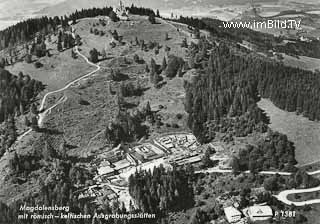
159,111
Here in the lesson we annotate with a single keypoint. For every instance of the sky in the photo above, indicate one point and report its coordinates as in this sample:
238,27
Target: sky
13,11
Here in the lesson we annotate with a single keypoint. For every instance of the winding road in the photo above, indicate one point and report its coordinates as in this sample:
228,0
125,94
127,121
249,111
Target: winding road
44,113
283,195
47,111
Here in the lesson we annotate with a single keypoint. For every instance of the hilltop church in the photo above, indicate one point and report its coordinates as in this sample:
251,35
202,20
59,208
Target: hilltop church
121,12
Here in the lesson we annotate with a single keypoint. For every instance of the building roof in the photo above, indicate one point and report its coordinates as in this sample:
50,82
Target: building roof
105,170
121,164
260,211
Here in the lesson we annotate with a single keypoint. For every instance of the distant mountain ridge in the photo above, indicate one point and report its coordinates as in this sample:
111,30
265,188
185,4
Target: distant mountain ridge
13,11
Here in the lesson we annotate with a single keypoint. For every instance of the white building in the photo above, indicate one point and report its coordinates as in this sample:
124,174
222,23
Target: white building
105,170
121,11
233,215
259,212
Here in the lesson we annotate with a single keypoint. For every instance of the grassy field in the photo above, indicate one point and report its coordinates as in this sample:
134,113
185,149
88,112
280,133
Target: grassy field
138,27
302,62
57,70
304,133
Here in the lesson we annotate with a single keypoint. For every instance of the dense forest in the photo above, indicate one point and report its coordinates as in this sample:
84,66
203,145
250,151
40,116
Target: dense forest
274,152
230,83
16,93
8,134
126,127
61,185
162,190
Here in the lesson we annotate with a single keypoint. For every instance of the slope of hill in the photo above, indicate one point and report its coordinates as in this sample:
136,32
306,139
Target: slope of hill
91,104
139,91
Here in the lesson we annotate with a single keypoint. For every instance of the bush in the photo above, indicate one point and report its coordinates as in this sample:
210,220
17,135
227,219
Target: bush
113,16
174,125
152,18
166,37
38,64
28,58
136,58
179,116
174,64
94,55
83,102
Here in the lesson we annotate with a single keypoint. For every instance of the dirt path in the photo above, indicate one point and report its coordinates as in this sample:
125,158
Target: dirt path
44,113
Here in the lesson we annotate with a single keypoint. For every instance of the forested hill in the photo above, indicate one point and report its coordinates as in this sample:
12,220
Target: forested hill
26,30
230,84
16,93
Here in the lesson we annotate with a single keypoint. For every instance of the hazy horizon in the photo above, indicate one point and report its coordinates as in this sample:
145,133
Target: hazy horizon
14,11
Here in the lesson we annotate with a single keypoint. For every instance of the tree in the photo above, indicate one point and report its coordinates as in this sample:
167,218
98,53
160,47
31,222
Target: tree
136,58
148,109
10,131
103,54
26,121
197,33
73,54
164,64
153,70
147,68
152,18
174,64
136,41
205,160
78,40
158,13
166,37
2,63
33,109
63,149
180,72
184,43
94,55
115,35
271,184
198,217
235,165
113,16
28,58
66,43
59,46
48,151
